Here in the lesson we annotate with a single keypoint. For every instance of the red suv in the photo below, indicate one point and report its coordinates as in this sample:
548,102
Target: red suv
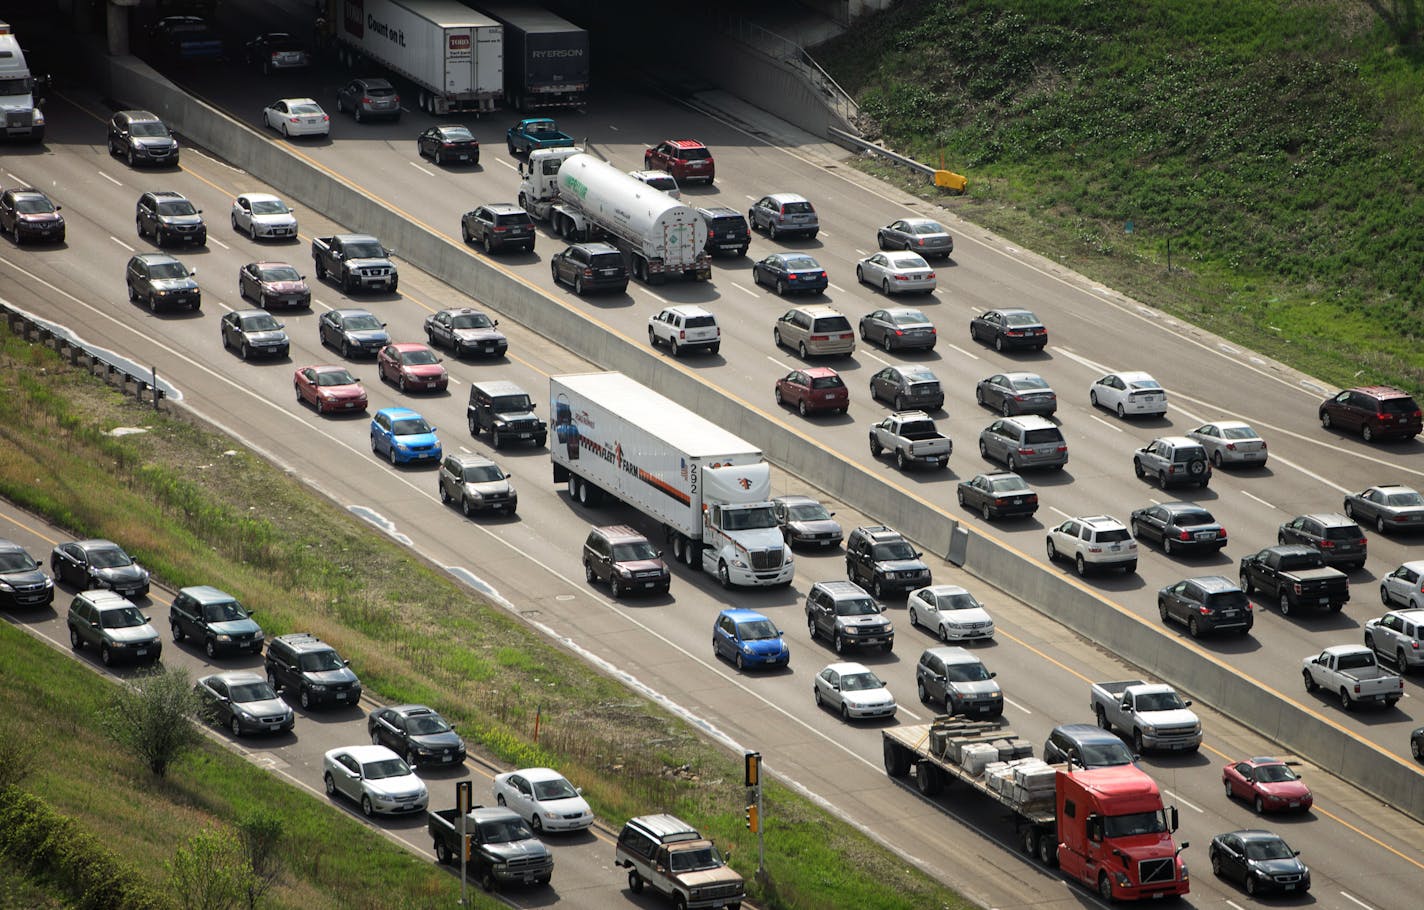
685,159
1375,412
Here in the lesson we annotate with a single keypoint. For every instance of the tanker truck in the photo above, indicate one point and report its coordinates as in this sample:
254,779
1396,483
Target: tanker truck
707,488
585,198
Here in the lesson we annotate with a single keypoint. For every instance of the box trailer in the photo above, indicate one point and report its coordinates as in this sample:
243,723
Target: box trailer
546,59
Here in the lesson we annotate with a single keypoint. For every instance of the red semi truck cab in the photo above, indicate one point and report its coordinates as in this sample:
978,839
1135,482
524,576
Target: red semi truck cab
1115,836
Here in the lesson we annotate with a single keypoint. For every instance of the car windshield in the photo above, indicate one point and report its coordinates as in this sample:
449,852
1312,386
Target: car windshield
319,661
757,630
362,323
419,357
633,550
1026,383
364,249
471,321
1275,774
335,377
108,558
1194,517
121,618
1008,485
148,129
456,134
409,426
307,109
1100,755
176,207
16,561
925,227
554,789
508,404
807,511
227,611
17,86
33,204
895,549
1159,701
482,473
253,691
961,600
1134,823
827,382
1021,319
748,519
856,606
427,724
695,859
269,207
860,682
800,262
967,672
1405,499
505,831
280,273
796,208
260,322
385,768
909,317
909,261
1238,433
167,270
1268,849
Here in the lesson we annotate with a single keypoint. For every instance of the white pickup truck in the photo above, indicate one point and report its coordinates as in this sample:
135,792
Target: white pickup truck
1152,713
1351,671
913,438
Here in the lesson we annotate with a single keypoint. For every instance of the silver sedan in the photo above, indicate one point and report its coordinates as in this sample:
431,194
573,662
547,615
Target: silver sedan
896,273
923,235
1231,442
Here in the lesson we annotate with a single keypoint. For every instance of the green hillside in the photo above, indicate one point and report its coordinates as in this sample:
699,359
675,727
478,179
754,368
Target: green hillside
1276,145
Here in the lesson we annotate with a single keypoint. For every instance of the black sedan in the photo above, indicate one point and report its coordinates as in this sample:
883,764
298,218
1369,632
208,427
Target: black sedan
254,332
417,733
1180,527
353,332
449,143
788,272
1009,328
1389,506
805,521
1017,393
91,564
1002,494
1260,861
244,702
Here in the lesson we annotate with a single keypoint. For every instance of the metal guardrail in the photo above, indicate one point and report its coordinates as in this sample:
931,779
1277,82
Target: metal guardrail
34,330
942,178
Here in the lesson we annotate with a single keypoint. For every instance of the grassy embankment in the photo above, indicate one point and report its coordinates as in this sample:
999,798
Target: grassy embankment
1276,146
194,508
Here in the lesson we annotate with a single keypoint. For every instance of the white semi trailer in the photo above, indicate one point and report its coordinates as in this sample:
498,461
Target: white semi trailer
583,198
708,489
453,54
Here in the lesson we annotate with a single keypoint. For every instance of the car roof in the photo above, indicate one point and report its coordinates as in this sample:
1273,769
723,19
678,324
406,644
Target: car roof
899,256
398,412
1381,391
689,309
925,221
352,311
538,774
469,460
616,533
1260,760
260,197
719,211
236,677
1183,506
325,367
1257,834
652,175
996,475
795,499
881,532
1086,733
498,387
907,311
1031,421
503,208
1393,488
818,310
1333,519
1213,584
1229,424
94,543
1006,310
783,198
18,191
412,710
1414,616
740,615
841,588
847,666
365,754
1133,375
463,310
155,258
133,116
207,594
945,589
303,641
374,82
1178,441
819,372
685,143
103,599
1416,564
1099,521
411,346
597,246
666,827
953,654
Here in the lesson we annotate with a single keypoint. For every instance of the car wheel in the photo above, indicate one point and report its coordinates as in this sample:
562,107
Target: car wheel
366,808
810,628
1285,604
1138,745
921,691
1400,662
944,634
1162,610
578,285
801,349
878,590
1310,684
106,655
330,784
391,454
615,587
1093,398
210,648
986,511
1245,583
1216,459
1379,523
741,664
1052,551
305,699
1251,885
245,351
780,288
901,461
1080,565
1166,545
801,407
1416,749
75,641
177,632
1104,887
886,343
1216,865
845,713
1367,434
635,881
235,727
999,344
1193,628
1011,463
838,643
1120,411
1325,419
1006,409
345,348
771,230
1161,478
1259,805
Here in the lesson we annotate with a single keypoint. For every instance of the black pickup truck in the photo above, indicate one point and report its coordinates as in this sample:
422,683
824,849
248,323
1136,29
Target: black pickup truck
502,848
1295,576
357,262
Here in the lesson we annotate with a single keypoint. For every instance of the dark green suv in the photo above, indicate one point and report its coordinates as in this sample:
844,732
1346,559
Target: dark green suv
109,622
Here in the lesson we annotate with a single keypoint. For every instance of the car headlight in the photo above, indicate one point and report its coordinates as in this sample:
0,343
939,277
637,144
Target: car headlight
316,687
996,695
474,494
118,644
222,638
738,562
7,587
624,572
1149,729
38,117
1122,879
243,713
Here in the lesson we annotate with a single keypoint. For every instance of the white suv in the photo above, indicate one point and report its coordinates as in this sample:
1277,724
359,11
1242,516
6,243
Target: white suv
686,326
1099,541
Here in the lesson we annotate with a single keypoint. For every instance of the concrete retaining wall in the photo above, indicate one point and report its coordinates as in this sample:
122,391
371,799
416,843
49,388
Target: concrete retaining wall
1390,778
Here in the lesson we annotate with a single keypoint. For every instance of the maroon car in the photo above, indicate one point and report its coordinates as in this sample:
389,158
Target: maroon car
1375,412
270,284
813,389
1268,784
412,366
329,388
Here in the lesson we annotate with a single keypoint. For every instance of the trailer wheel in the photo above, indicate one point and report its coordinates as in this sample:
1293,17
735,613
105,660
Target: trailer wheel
1047,848
928,779
897,762
1028,839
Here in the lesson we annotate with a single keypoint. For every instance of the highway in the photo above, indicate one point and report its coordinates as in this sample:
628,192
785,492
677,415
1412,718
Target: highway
1362,854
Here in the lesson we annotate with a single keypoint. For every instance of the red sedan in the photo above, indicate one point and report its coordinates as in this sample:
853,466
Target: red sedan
813,389
329,389
1269,784
412,366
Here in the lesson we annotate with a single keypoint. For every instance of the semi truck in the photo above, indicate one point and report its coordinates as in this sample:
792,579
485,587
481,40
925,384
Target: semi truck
453,54
708,489
19,106
546,59
586,198
1105,827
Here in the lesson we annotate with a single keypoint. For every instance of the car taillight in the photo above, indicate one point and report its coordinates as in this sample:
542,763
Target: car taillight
1026,451
790,276
1184,536
820,337
498,230
1203,609
919,241
588,272
899,332
902,277
365,100
1220,533
1327,544
930,275
294,119
1363,541
1062,449
1231,447
1014,332
682,333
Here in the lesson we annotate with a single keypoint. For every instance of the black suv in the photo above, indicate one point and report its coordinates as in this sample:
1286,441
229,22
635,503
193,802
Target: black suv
214,618
590,267
29,214
155,278
1171,460
727,230
506,411
305,662
845,614
626,560
498,225
1339,540
882,561
1208,603
170,218
141,138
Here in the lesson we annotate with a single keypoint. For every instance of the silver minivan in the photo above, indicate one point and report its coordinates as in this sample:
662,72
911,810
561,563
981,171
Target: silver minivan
814,330
1024,442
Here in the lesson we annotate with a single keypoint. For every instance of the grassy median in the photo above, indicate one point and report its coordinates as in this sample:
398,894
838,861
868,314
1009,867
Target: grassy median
196,508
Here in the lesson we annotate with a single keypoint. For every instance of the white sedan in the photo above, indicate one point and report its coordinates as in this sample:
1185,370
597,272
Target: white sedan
543,798
263,215
854,691
1130,392
376,778
297,117
896,273
950,612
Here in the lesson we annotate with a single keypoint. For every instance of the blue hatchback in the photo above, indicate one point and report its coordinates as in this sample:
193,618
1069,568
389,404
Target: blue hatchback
749,639
403,436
